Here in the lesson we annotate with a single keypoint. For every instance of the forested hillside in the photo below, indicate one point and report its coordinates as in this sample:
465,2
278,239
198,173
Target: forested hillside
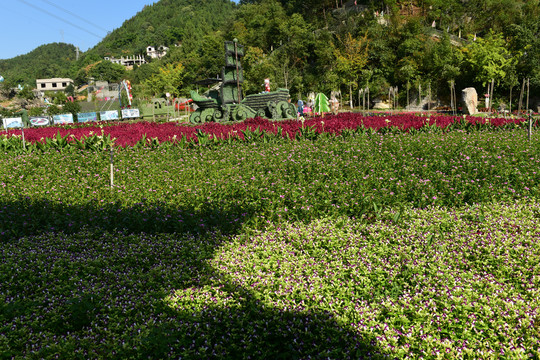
323,45
167,22
46,61
348,45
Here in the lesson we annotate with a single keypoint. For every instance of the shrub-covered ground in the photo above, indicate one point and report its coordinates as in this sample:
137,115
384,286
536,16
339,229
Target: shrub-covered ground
355,246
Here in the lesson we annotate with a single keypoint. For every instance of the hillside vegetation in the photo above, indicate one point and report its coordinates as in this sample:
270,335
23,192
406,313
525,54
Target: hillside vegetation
321,45
46,61
167,22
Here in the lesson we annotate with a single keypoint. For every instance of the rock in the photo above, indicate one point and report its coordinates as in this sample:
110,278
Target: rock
380,105
470,100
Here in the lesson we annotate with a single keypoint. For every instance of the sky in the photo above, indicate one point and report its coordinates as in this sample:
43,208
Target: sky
27,24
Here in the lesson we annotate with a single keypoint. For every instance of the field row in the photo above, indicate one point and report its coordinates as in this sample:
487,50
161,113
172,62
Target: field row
336,247
130,134
179,189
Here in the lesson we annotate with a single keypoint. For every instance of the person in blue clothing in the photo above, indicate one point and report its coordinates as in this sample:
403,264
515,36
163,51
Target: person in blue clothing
300,107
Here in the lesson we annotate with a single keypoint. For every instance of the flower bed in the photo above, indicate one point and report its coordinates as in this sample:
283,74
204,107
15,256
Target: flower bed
129,134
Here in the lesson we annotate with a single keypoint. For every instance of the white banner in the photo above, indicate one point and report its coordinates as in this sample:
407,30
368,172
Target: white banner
108,115
63,119
10,123
130,113
40,121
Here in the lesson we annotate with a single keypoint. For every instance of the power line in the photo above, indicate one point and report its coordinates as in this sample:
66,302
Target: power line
61,19
26,16
75,15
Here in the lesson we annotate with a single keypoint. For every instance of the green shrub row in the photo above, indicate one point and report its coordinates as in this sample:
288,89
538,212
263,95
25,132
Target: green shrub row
178,189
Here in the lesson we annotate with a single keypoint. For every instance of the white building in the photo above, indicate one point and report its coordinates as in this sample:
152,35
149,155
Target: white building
54,84
128,61
156,53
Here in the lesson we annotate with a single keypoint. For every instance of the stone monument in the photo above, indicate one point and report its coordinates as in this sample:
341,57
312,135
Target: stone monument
470,100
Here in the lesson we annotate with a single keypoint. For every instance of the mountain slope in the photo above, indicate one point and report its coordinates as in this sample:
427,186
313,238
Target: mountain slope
51,60
167,22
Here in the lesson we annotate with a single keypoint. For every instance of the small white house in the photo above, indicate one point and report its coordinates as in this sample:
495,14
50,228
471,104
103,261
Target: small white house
156,53
54,84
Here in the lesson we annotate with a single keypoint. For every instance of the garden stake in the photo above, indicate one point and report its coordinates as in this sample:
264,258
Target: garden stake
112,173
529,128
23,142
528,88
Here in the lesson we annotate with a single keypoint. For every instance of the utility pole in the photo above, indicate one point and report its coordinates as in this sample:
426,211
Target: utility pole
77,57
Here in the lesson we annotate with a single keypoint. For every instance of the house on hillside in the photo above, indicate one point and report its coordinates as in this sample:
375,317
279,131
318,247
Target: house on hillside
54,84
156,53
128,62
103,90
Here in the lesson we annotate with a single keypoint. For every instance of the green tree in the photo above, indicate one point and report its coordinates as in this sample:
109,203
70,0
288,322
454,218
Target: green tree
72,107
26,93
321,74
35,111
257,67
106,71
290,58
489,58
58,97
6,88
168,80
351,60
70,90
264,23
442,63
526,38
54,110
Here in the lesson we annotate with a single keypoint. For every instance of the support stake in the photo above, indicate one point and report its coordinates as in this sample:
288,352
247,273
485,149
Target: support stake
23,141
529,127
112,167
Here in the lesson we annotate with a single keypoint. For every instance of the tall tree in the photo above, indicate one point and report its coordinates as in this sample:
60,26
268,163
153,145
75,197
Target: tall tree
489,58
168,80
351,59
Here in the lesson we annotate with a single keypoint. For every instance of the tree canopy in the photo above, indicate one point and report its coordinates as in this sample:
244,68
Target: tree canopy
312,45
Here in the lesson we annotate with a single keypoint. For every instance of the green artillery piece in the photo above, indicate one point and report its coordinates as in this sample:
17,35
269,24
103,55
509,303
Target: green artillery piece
226,104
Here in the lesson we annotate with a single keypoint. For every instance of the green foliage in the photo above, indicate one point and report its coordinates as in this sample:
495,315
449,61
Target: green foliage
489,58
525,37
57,97
165,23
443,61
365,245
72,107
47,61
54,110
168,80
35,111
70,90
26,93
300,45
106,71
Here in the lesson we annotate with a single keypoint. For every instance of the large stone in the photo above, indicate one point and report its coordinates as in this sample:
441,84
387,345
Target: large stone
470,100
380,105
